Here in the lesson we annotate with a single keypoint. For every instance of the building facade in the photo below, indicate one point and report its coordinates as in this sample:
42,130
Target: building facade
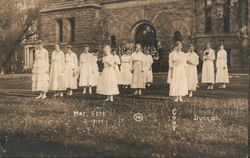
150,22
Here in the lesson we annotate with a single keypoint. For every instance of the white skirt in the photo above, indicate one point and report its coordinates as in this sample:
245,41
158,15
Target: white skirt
40,77
178,84
86,75
208,72
107,84
125,74
222,75
70,79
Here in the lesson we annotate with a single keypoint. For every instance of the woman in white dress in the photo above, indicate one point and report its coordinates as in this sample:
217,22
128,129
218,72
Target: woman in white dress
95,69
57,80
117,63
221,66
178,75
138,71
108,84
126,65
71,68
148,68
86,70
40,71
192,74
208,67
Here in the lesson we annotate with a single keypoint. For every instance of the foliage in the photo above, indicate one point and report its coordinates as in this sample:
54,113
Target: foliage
16,24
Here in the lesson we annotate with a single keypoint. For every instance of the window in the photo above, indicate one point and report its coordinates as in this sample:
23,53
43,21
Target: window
71,29
113,41
59,30
208,20
177,36
226,17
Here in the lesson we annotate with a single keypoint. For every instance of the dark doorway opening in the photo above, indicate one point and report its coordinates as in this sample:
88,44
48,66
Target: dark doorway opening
146,36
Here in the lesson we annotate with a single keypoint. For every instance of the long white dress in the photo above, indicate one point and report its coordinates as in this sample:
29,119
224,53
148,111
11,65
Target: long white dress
178,78
86,70
108,84
71,68
40,71
125,74
117,70
222,69
192,74
57,80
96,74
148,69
208,67
138,75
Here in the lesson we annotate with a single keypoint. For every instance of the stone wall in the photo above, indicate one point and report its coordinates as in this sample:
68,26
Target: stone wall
230,40
166,18
87,27
95,25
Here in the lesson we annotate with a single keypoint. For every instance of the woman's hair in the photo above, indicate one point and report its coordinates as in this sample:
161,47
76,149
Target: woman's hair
39,42
85,46
191,46
69,46
177,43
138,45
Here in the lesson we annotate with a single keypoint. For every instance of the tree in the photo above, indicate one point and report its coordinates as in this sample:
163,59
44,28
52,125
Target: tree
17,22
243,31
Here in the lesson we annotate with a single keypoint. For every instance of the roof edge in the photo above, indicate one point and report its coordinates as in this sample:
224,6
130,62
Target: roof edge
61,8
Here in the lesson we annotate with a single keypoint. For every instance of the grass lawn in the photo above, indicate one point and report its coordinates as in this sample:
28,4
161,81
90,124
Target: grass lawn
48,128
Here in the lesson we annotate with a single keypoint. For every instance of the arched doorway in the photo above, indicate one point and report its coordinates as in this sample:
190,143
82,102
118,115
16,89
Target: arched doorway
145,34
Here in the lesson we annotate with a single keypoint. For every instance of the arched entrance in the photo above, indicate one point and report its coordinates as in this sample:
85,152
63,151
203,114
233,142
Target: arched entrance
145,34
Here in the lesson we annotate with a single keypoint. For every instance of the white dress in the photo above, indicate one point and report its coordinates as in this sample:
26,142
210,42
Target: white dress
178,79
108,85
86,70
125,74
117,70
148,69
71,68
96,74
192,74
57,80
40,71
222,69
208,67
138,75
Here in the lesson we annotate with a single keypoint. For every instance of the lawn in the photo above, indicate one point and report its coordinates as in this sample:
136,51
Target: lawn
85,126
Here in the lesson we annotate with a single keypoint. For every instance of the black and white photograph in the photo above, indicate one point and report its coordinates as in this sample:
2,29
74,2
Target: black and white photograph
124,78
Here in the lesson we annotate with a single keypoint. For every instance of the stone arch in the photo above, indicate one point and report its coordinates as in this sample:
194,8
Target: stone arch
182,27
136,25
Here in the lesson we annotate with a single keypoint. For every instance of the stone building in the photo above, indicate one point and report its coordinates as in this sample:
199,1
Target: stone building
96,22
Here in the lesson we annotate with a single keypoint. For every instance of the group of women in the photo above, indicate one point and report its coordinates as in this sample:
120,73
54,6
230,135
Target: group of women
62,72
183,76
134,69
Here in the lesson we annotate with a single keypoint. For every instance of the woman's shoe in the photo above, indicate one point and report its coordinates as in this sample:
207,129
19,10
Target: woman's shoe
106,100
176,100
40,96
